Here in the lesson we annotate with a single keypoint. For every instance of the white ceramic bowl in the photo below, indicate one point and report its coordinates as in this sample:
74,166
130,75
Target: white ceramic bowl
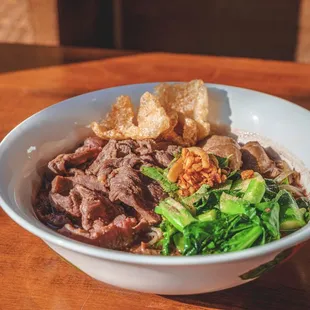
61,126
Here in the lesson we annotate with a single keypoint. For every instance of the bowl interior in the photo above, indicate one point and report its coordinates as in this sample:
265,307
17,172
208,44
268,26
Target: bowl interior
60,127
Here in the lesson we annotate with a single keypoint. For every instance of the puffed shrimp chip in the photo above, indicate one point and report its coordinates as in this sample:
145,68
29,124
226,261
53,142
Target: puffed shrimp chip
119,124
189,100
152,117
187,135
117,121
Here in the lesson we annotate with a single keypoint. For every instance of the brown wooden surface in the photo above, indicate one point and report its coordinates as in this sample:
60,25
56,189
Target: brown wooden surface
15,22
43,16
34,277
20,57
303,46
29,21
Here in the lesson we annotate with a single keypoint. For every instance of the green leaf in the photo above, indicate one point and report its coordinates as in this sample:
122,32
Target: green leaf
225,186
178,241
198,235
223,161
255,190
262,239
232,205
242,240
208,201
191,200
234,175
270,218
237,223
272,189
210,215
303,202
285,181
291,217
168,232
157,174
211,200
175,213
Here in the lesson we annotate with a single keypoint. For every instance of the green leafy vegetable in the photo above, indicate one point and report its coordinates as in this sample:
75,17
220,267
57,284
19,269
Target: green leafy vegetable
270,218
241,185
243,239
233,216
225,186
303,202
207,202
255,190
291,218
223,162
168,232
157,174
285,181
193,199
199,235
237,224
175,213
234,175
212,199
178,240
232,205
207,216
272,189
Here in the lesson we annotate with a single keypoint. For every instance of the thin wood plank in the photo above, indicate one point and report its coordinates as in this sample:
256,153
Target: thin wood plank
44,19
15,24
15,57
303,46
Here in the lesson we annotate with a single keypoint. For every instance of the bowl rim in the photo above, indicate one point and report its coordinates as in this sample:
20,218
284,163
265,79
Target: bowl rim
125,257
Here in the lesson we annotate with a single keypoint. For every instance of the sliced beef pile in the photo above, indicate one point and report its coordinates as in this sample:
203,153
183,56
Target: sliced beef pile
132,153
117,235
127,186
47,214
98,195
83,155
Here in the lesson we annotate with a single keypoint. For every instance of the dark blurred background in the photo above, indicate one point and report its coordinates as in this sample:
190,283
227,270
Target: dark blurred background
268,29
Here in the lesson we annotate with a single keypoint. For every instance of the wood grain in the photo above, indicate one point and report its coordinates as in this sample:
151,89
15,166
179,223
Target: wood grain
16,57
303,45
15,24
29,21
34,277
44,19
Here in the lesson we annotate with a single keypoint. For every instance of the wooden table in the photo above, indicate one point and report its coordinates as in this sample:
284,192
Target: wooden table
34,277
20,56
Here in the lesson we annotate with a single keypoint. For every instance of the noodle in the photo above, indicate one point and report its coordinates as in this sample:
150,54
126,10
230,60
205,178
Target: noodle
155,234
